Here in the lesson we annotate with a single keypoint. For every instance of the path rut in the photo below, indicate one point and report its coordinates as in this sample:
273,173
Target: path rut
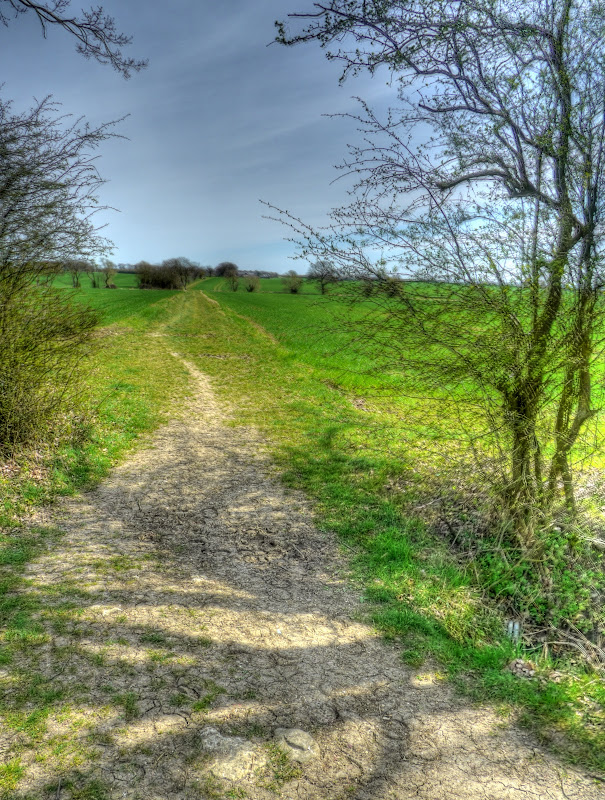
215,613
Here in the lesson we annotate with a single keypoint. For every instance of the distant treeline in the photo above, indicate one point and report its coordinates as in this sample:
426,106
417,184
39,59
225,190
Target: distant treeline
172,273
177,273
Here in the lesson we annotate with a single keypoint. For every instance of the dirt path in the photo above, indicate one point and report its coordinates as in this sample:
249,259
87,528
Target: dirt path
215,615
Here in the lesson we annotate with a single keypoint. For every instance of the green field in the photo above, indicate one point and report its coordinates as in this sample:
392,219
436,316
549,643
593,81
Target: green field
287,369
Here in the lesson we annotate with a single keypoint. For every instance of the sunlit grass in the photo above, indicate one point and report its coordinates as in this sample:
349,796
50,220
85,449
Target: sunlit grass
346,458
334,437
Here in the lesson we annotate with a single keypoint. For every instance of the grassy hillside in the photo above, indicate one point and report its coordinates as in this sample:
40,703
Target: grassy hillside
278,362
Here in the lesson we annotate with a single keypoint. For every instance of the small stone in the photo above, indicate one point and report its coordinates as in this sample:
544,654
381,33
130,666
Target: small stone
235,758
299,745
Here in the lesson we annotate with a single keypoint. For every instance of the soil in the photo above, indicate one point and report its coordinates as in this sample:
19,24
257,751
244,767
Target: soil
218,630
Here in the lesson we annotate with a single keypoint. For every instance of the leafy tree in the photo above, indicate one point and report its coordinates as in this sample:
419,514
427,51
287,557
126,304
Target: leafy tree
502,209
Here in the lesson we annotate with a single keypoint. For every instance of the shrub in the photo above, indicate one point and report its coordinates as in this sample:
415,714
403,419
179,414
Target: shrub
48,197
292,282
45,340
252,283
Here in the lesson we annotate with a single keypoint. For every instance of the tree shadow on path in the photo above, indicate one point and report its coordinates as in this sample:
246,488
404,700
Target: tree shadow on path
190,610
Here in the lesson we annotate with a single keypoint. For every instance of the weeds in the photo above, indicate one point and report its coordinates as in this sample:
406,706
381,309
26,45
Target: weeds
212,692
278,770
129,704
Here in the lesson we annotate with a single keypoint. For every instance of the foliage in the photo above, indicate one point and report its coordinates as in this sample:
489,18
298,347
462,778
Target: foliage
45,337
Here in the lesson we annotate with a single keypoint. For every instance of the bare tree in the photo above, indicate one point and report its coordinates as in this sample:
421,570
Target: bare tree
502,209
225,269
76,267
93,275
323,273
109,272
95,32
48,186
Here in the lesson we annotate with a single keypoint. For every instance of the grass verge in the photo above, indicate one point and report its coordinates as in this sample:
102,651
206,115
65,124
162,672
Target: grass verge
341,453
418,592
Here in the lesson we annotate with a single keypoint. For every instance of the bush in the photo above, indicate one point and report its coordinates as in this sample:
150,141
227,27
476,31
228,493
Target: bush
48,197
46,338
292,282
252,283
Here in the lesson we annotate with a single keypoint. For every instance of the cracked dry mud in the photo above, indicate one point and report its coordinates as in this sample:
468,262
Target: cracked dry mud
214,614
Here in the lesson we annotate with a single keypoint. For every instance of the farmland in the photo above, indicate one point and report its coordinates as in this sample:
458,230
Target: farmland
280,365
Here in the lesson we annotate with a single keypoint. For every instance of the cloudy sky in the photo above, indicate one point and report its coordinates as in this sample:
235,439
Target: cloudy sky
217,122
